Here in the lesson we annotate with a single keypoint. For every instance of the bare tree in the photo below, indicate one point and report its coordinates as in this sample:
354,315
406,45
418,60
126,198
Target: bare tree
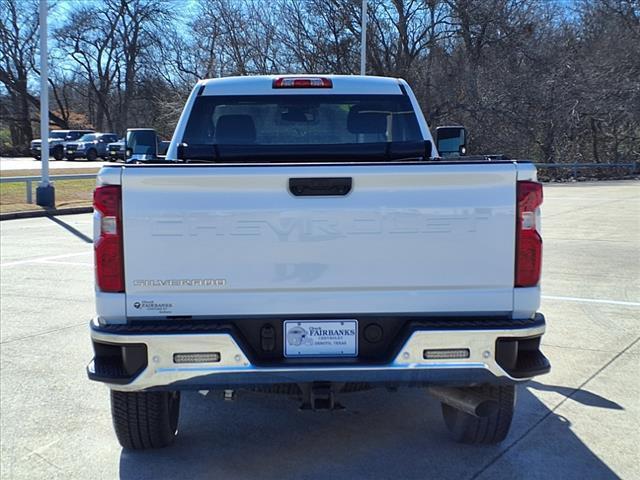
318,36
529,78
89,39
18,36
138,30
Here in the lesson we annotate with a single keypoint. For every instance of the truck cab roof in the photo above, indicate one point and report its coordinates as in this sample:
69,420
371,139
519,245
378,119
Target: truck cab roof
264,85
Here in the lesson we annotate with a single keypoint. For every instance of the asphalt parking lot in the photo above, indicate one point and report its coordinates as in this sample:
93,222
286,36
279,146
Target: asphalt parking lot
580,421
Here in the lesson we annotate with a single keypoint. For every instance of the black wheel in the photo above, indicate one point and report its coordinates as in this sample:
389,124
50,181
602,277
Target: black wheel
465,428
70,158
58,154
37,158
92,155
145,419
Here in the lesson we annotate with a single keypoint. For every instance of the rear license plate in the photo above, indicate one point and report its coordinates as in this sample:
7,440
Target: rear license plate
320,338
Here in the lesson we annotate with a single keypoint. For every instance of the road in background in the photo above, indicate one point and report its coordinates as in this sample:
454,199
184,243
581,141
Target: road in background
29,163
580,421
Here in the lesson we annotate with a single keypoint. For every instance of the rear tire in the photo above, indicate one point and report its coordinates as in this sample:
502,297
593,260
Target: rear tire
465,428
92,155
145,419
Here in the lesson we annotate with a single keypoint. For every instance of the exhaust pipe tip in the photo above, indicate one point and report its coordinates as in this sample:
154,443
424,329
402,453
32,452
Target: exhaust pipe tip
467,400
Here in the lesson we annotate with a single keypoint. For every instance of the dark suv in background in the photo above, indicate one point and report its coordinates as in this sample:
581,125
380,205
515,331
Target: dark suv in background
57,142
90,146
116,151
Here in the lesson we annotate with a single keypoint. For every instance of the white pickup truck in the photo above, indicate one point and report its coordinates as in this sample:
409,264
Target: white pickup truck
304,237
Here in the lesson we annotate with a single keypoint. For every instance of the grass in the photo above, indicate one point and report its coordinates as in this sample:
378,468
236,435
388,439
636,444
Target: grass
57,171
69,193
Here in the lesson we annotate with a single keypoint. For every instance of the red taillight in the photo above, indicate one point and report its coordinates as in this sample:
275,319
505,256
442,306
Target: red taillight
302,82
108,248
528,240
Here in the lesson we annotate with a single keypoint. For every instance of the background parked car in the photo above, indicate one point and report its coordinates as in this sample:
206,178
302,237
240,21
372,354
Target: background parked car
90,146
115,151
57,142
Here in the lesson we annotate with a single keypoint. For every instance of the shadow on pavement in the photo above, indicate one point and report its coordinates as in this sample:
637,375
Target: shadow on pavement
380,435
71,229
584,397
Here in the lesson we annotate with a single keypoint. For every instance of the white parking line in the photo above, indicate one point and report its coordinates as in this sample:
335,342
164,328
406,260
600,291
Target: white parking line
591,300
51,262
43,259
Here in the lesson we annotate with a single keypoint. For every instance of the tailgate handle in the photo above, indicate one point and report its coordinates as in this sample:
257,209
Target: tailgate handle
324,186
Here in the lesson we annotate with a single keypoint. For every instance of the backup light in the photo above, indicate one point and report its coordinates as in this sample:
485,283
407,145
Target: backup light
109,225
446,353
198,357
302,82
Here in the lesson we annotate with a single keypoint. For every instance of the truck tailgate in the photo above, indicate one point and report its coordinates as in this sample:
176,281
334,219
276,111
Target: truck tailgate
233,240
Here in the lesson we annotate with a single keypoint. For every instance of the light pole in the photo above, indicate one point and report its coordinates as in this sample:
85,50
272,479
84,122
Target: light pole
45,193
363,40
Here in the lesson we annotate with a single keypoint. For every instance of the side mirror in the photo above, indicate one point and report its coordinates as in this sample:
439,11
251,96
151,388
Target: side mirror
451,141
142,143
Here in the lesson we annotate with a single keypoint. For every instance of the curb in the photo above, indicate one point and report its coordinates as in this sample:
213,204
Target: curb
45,213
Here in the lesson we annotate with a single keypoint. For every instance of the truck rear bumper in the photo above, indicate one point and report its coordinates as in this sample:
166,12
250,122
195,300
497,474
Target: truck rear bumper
149,359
